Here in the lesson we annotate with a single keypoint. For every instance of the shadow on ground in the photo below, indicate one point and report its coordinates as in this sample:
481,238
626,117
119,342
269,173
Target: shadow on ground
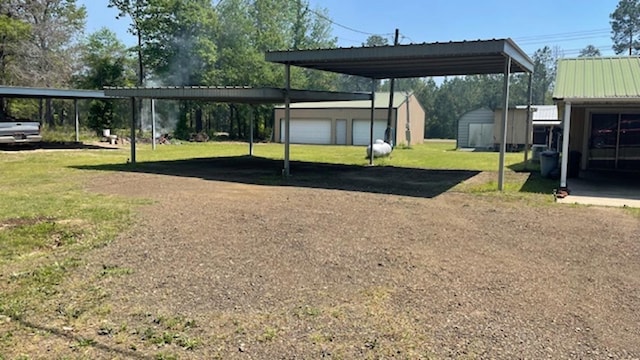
263,171
56,145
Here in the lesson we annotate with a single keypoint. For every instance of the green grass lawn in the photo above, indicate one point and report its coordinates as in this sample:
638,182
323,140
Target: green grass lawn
48,220
432,155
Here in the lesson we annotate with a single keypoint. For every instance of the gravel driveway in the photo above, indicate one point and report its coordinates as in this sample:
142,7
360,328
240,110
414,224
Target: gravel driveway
343,265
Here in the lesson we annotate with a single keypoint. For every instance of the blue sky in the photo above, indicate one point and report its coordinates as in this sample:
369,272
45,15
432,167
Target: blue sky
568,25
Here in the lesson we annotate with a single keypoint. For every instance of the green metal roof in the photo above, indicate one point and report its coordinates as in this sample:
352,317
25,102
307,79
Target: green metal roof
381,101
606,78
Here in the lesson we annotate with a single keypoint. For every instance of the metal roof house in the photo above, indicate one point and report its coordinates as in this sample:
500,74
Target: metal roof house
348,123
599,99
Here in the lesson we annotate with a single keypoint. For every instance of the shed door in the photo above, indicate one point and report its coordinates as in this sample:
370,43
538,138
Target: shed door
361,129
312,131
480,135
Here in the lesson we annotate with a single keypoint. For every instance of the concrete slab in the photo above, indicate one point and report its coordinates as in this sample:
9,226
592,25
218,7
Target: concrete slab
604,189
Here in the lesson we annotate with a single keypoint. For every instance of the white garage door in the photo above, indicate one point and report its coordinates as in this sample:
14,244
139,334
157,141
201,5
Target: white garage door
307,131
362,128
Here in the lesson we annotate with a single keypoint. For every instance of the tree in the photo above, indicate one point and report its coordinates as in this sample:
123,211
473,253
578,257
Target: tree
47,54
625,27
135,9
56,28
179,41
589,51
106,63
13,33
544,74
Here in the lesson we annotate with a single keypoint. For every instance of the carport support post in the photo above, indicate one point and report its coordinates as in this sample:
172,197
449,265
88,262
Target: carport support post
133,130
566,125
505,113
153,124
251,120
373,110
287,114
77,120
529,131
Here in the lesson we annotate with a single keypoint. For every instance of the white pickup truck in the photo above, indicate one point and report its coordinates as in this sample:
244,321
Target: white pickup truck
19,132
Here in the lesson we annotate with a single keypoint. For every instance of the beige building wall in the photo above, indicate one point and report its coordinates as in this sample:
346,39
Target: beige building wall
416,119
516,127
577,139
416,122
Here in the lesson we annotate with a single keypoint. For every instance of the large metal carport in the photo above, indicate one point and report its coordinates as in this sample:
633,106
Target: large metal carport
19,92
417,60
236,95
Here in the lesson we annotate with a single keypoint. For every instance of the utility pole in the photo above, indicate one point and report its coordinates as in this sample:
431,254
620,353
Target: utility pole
387,132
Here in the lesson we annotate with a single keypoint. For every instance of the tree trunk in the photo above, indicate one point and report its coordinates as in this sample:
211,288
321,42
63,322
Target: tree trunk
49,113
40,111
199,120
232,112
3,109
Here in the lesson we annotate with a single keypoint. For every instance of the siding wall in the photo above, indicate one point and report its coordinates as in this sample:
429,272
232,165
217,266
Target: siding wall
478,116
417,119
516,127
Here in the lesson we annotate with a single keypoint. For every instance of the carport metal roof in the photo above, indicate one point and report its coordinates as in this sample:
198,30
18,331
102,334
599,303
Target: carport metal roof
23,92
245,95
39,93
414,60
417,60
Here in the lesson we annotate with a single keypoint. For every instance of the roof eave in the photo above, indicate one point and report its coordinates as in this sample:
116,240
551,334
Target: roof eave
234,94
603,100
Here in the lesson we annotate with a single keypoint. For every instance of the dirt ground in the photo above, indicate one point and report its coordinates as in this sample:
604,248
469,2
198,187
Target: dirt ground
353,263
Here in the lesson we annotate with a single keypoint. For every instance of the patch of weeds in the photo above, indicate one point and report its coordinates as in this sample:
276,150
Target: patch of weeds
34,286
304,311
633,211
28,235
165,356
107,329
403,146
69,311
114,270
187,343
166,338
85,342
268,334
240,330
175,322
103,309
320,338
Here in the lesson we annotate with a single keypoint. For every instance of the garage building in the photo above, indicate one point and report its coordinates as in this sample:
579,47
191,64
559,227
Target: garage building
348,122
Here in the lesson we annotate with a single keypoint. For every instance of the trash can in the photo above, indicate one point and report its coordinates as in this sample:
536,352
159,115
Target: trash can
548,162
573,165
535,152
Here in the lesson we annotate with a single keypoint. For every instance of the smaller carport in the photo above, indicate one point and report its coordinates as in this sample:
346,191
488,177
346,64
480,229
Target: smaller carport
18,92
417,60
237,95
